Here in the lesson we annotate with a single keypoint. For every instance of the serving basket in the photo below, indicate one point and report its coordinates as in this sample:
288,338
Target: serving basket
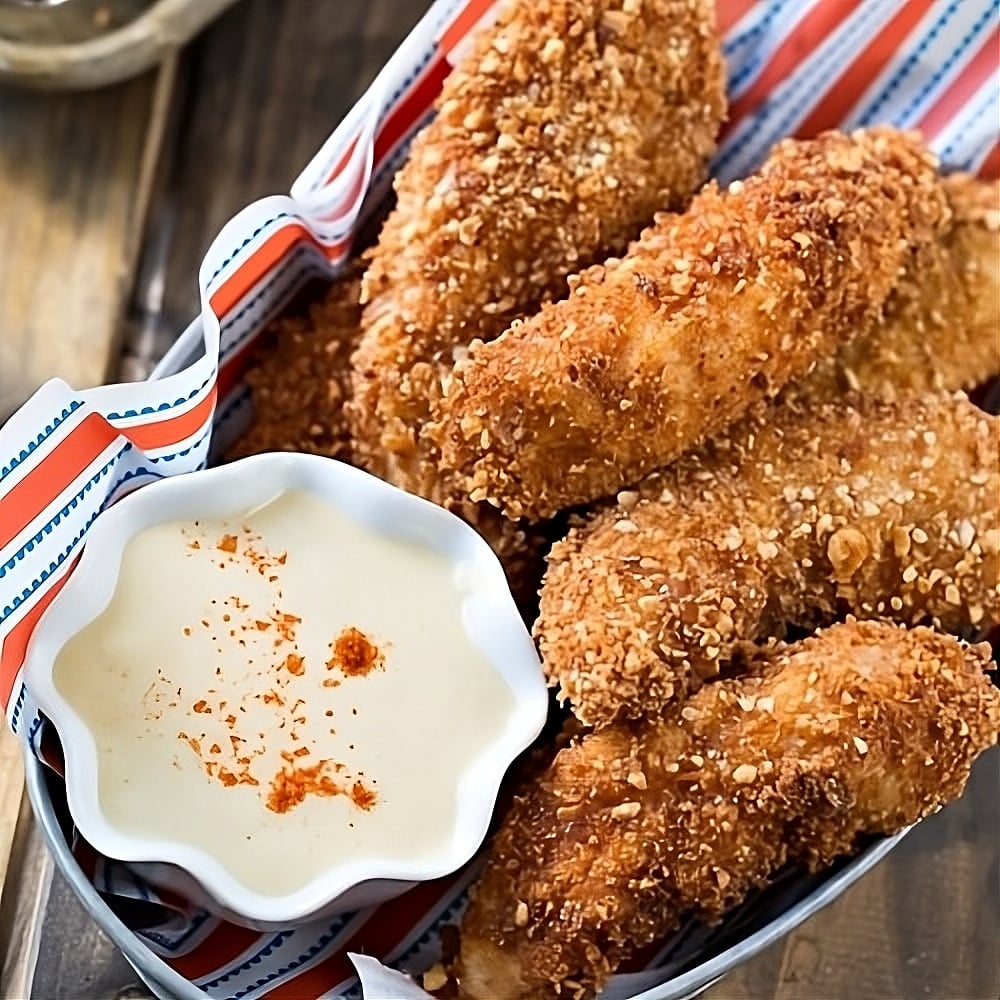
68,454
699,956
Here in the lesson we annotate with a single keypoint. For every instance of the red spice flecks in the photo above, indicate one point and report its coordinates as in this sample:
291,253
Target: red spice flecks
363,797
295,665
227,543
187,630
355,654
285,624
291,785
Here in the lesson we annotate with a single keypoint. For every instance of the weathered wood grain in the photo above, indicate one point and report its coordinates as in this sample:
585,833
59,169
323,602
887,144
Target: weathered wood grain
272,81
23,902
105,975
75,178
73,184
11,783
925,923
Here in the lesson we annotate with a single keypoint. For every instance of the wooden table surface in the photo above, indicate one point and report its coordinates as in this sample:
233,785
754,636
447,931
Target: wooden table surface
109,200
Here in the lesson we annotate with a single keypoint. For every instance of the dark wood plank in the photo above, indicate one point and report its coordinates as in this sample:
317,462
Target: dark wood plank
24,898
73,185
11,783
925,923
270,82
105,975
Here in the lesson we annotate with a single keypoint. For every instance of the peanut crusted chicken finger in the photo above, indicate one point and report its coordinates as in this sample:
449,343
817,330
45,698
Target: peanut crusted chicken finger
708,313
942,324
859,730
557,137
877,509
302,378
301,382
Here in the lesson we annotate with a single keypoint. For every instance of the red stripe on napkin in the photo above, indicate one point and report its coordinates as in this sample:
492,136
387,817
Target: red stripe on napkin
843,92
975,74
342,162
316,980
411,108
79,449
990,169
218,951
464,23
15,645
807,36
54,474
264,260
377,936
730,12
163,433
258,264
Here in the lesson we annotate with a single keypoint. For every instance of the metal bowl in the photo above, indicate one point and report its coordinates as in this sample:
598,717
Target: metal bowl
700,956
58,22
79,44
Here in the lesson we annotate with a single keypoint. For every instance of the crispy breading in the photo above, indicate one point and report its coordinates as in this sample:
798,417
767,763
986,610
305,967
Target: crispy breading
301,376
859,730
300,380
880,509
707,314
942,324
567,125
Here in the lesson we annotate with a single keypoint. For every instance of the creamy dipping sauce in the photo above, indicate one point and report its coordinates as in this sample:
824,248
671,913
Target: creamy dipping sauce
284,689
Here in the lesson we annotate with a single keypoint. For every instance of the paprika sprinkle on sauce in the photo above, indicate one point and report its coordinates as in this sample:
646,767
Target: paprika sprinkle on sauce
288,678
354,654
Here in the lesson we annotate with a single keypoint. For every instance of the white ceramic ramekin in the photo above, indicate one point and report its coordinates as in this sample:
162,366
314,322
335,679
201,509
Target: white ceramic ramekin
488,615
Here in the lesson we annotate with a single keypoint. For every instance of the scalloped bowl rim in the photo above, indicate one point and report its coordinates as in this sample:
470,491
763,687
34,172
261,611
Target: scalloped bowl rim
489,616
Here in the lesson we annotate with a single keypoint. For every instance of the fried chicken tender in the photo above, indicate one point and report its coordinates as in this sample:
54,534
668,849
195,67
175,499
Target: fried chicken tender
707,314
301,382
942,324
301,379
862,729
568,124
877,509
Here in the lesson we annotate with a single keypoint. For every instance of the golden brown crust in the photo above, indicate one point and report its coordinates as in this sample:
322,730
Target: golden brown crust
301,377
942,324
883,510
300,381
561,133
862,729
708,313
